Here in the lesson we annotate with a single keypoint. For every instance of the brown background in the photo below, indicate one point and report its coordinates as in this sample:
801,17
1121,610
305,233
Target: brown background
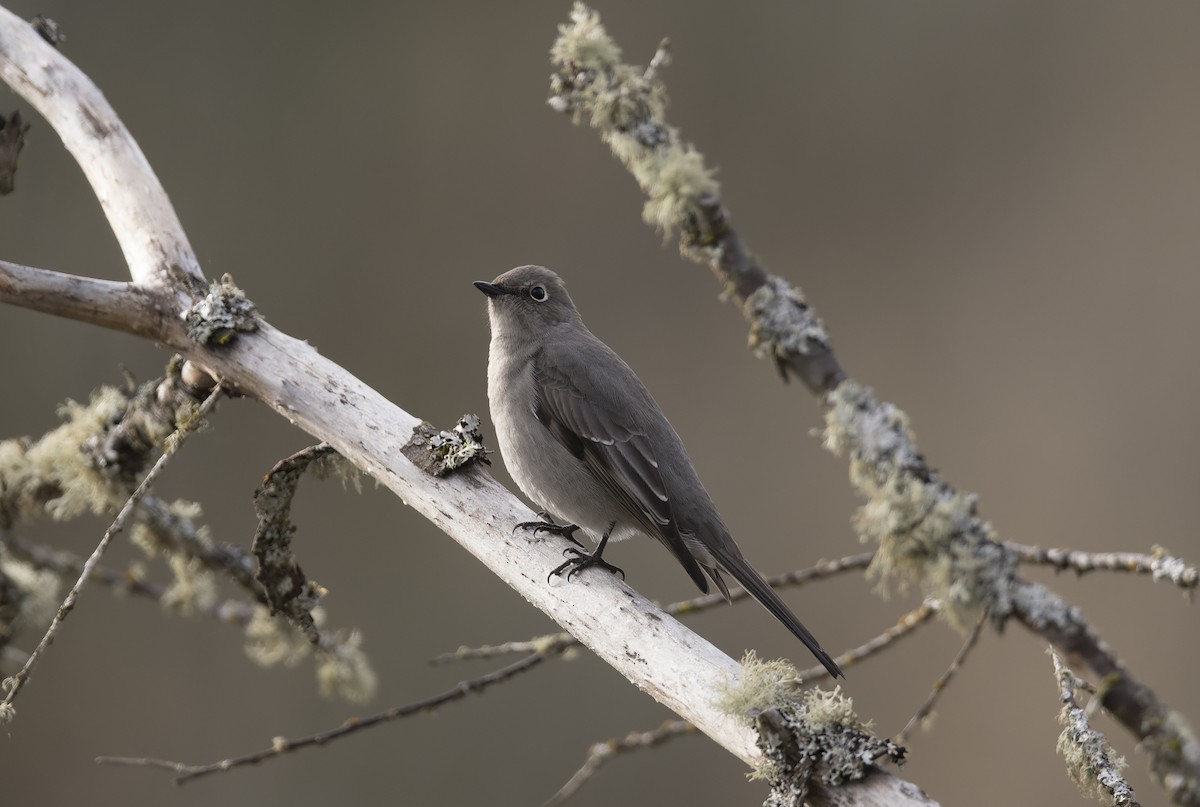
993,205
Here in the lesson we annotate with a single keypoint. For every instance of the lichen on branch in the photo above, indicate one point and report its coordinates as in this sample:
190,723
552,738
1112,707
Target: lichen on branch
627,105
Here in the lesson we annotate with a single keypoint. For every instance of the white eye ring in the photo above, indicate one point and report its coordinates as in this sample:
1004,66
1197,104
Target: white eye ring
538,294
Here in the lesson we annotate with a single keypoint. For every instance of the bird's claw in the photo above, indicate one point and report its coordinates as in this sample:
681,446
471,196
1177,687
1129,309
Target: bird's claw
579,560
546,525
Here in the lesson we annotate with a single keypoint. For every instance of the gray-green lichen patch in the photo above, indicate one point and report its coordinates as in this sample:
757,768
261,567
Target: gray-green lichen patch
217,317
288,590
1091,762
929,533
781,323
440,452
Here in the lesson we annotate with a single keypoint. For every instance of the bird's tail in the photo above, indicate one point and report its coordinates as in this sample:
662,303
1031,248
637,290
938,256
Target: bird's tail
753,582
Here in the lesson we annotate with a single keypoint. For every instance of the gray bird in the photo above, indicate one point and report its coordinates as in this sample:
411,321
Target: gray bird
582,437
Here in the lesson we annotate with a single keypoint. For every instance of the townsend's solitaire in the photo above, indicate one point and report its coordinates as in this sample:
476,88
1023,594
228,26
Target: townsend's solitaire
582,437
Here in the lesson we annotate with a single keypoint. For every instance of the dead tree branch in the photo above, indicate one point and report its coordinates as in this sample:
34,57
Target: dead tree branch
169,301
281,745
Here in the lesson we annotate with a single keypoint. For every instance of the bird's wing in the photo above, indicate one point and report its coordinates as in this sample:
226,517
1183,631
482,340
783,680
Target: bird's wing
612,446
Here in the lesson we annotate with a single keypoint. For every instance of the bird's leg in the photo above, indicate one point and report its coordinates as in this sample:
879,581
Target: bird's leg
580,560
546,524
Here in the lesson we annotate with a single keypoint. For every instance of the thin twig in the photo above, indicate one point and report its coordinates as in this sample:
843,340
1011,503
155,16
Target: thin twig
661,58
1091,761
281,745
823,569
1158,564
602,752
15,683
560,642
943,680
906,624
553,645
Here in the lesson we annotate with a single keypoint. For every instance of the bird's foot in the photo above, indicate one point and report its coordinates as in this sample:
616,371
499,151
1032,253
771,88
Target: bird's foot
546,524
578,560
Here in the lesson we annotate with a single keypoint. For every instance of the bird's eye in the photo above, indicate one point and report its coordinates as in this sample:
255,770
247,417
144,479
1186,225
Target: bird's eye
538,293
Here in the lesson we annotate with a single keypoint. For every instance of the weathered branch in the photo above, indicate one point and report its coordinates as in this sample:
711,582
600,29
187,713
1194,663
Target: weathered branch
1158,564
127,307
137,207
661,656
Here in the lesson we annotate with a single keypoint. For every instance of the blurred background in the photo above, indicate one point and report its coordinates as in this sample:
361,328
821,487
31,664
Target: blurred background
994,207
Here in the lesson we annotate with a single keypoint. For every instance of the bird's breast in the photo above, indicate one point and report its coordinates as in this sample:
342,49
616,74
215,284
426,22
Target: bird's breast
542,467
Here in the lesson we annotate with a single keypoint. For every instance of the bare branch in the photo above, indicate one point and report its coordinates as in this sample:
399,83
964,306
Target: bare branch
134,201
1158,564
280,745
906,625
553,645
125,307
602,752
939,686
14,684
823,569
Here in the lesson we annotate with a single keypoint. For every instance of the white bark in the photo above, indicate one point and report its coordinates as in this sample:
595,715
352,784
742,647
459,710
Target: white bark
651,649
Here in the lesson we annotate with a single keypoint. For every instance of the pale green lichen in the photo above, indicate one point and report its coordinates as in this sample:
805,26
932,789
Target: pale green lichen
827,709
7,710
145,539
272,640
1173,750
335,466
54,476
674,179
763,685
39,591
194,589
585,41
188,418
346,672
155,538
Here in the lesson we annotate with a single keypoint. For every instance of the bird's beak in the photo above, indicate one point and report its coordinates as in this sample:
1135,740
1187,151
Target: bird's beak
490,289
